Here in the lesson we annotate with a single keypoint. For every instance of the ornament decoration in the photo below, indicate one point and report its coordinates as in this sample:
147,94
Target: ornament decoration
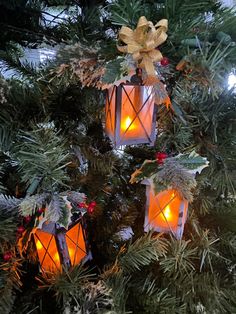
165,211
169,183
143,41
59,234
131,113
58,247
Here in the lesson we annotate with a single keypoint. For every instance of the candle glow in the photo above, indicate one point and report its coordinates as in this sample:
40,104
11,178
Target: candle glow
167,213
39,245
126,124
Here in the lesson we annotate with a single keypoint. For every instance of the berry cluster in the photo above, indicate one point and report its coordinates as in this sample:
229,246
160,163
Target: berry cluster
160,157
89,207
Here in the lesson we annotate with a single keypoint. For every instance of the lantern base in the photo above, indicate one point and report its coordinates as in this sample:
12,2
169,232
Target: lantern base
118,144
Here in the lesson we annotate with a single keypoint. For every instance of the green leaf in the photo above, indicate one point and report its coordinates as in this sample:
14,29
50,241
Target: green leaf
148,168
113,71
59,211
193,161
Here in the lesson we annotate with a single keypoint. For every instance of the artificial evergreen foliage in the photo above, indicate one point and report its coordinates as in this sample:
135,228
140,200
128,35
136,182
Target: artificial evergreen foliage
54,152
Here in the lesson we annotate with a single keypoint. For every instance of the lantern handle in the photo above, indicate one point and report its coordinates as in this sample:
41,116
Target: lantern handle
137,77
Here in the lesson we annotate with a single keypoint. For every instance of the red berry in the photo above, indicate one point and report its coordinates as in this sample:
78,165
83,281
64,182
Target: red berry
40,211
20,229
82,205
160,157
7,256
93,204
90,209
27,219
165,61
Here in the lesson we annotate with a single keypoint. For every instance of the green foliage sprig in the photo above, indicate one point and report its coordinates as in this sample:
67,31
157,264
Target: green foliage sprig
42,155
175,172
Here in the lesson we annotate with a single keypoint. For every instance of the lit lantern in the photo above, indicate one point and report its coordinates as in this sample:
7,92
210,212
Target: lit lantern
165,212
131,113
57,247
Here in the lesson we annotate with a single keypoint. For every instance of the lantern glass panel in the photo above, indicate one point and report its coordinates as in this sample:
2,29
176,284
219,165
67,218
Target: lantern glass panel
167,211
76,244
47,250
137,105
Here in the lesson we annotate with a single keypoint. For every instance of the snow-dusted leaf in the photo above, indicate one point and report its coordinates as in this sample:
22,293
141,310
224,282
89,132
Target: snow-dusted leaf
8,203
193,162
31,203
113,71
148,168
75,197
59,211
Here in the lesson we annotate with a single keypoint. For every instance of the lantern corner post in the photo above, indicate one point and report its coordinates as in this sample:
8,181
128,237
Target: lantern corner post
154,131
63,249
147,184
183,210
118,100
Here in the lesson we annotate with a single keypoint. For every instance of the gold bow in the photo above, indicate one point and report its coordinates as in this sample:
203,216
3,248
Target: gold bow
142,41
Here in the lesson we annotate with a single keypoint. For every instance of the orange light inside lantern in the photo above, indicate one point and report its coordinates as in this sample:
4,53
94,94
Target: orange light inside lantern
39,245
76,244
129,114
164,208
47,250
126,124
56,257
48,246
166,214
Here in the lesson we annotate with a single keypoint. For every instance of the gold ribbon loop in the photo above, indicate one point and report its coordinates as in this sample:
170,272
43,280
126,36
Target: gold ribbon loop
142,42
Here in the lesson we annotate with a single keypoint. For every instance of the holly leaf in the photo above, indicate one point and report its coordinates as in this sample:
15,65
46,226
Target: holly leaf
113,71
59,211
148,168
193,162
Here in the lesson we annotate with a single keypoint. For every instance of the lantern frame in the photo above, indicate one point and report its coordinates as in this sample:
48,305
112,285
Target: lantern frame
60,238
177,232
114,131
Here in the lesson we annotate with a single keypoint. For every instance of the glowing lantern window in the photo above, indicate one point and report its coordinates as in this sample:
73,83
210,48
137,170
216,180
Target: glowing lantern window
165,212
131,114
57,247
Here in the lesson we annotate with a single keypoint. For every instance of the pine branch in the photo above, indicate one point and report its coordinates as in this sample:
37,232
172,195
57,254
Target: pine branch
141,253
179,260
9,204
42,155
68,283
124,12
29,205
118,283
8,228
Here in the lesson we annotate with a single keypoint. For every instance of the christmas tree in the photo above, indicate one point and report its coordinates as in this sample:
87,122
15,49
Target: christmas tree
117,171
